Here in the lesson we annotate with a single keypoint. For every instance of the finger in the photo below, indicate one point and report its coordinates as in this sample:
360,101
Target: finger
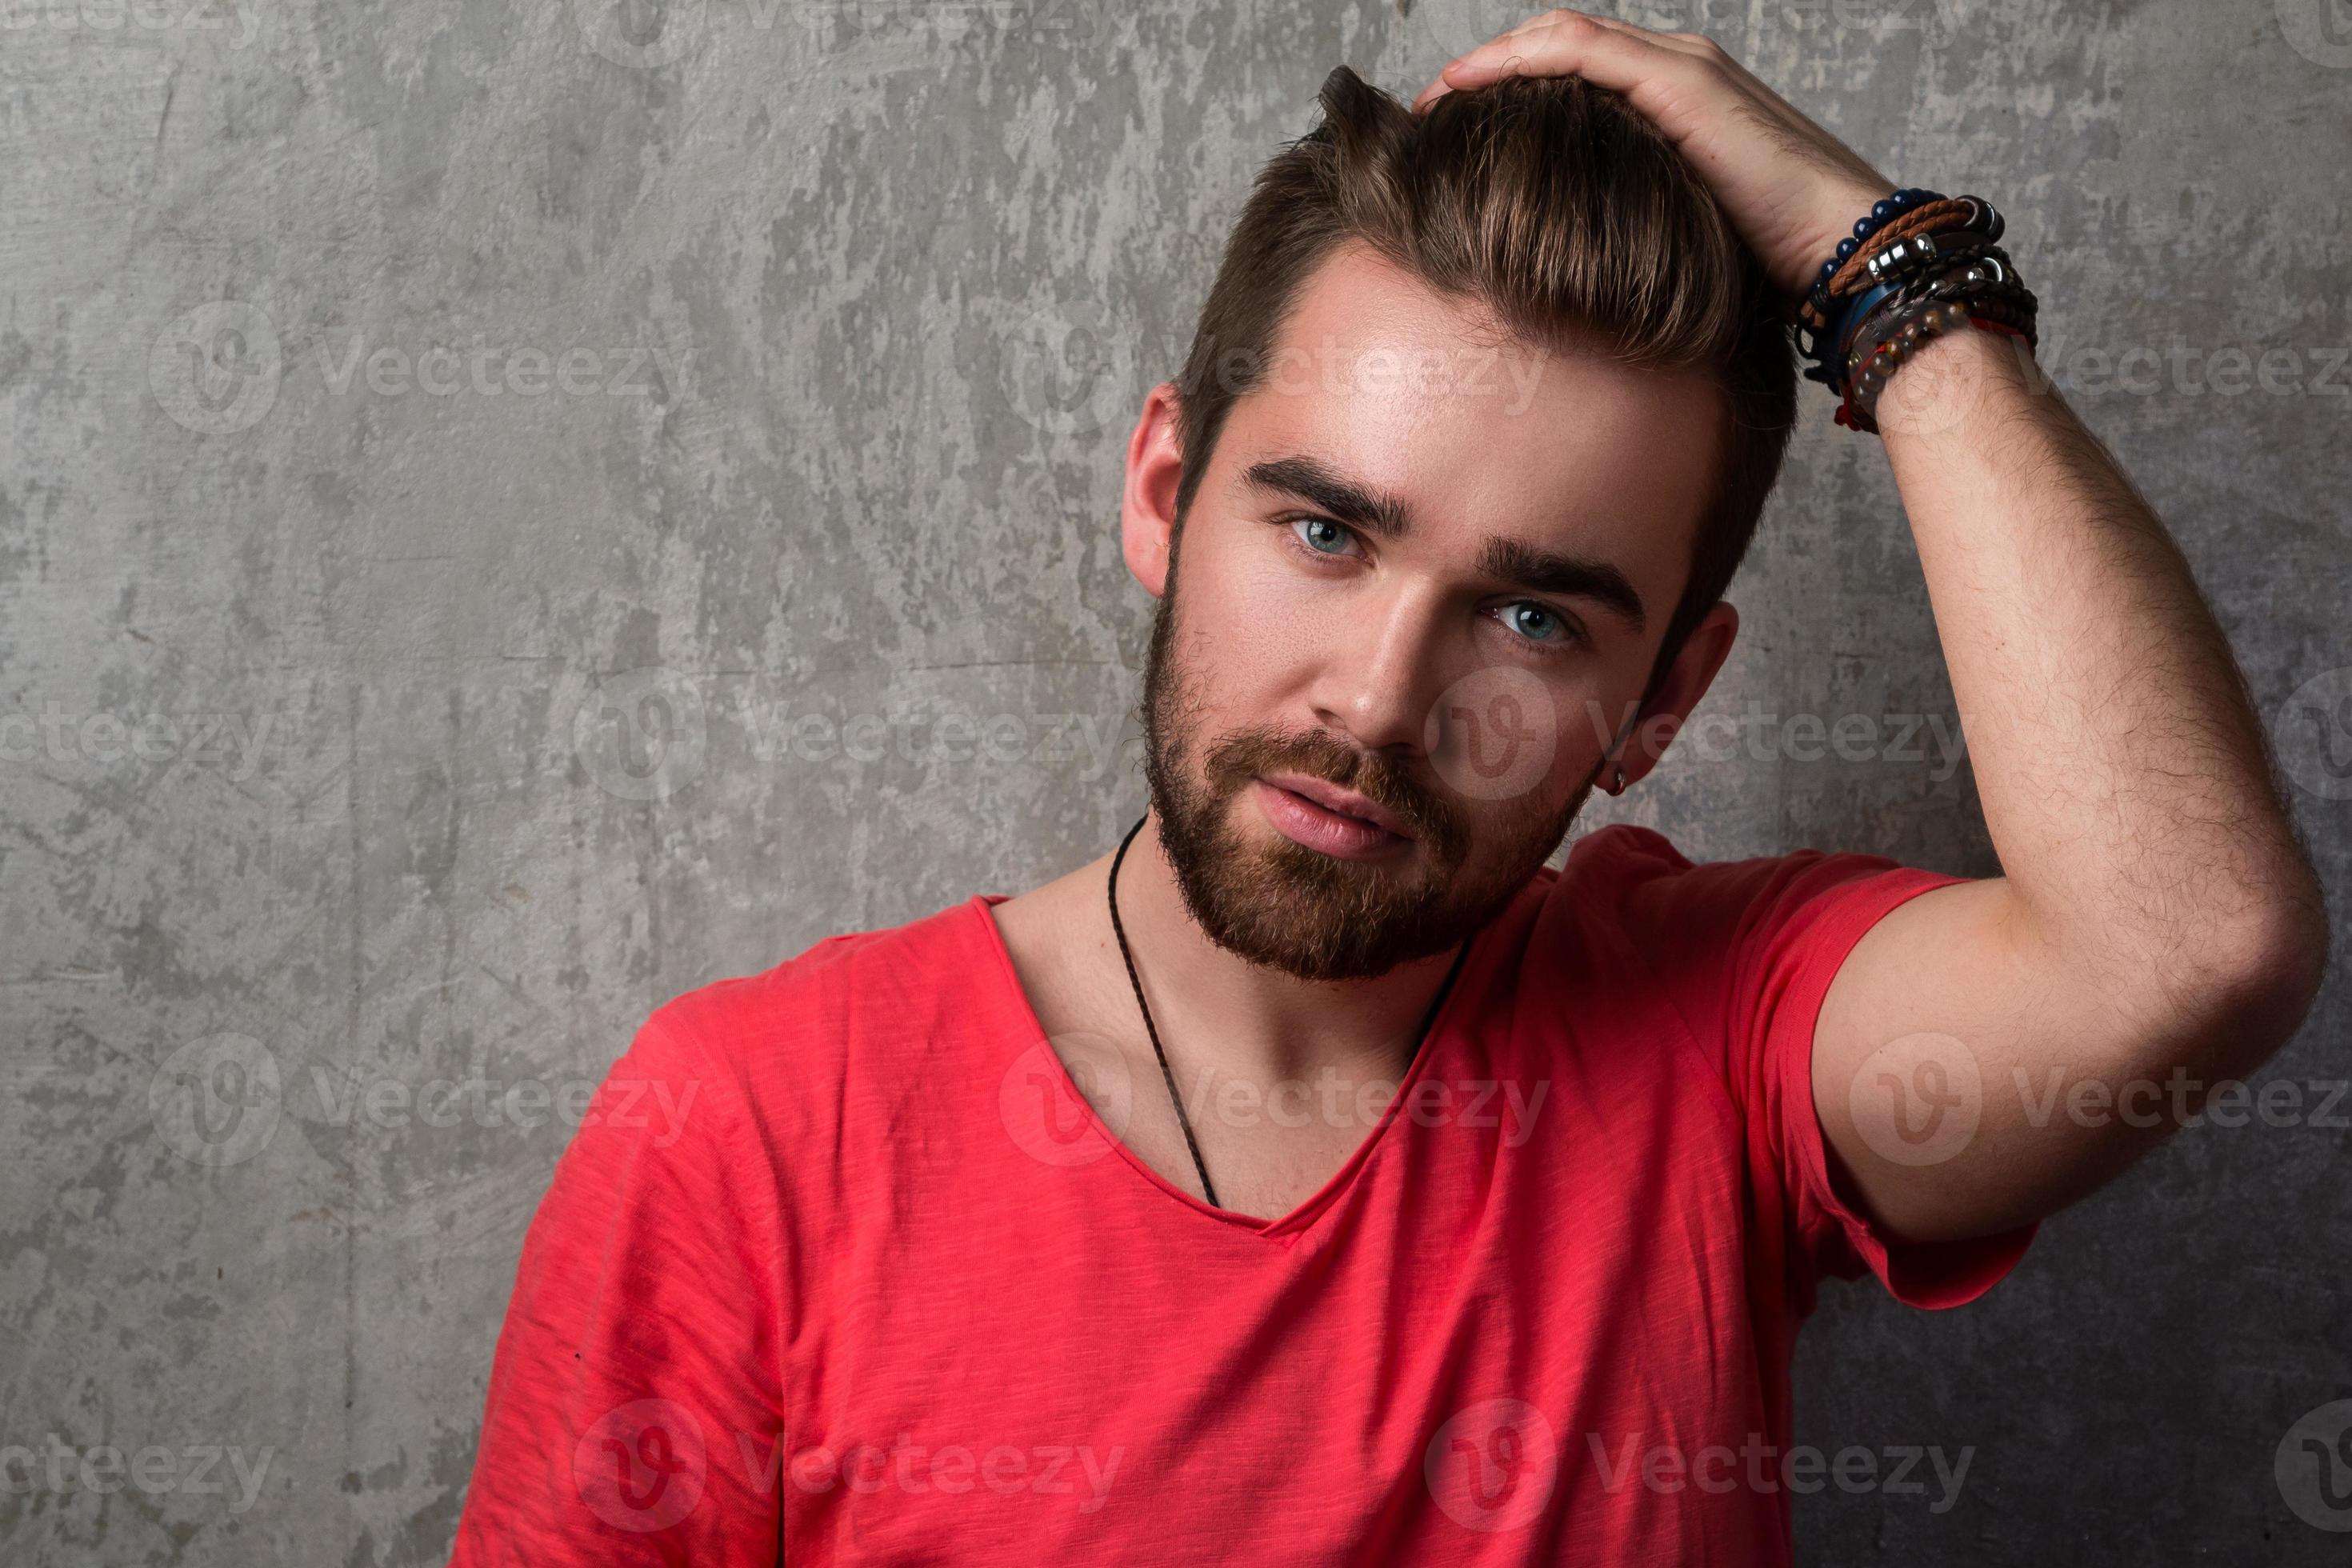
1707,53
1567,43
1678,43
1508,41
1619,54
1701,46
1768,105
1530,28
1535,26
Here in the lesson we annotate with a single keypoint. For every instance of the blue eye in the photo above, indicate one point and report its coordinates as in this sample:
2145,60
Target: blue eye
1321,535
1537,622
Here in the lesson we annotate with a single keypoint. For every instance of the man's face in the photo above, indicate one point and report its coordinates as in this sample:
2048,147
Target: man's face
1426,565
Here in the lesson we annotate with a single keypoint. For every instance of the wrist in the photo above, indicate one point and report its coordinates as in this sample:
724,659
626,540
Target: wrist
1948,382
1835,210
1918,264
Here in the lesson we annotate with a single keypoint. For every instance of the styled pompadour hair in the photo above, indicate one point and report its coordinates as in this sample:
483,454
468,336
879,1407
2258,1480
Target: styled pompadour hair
1559,209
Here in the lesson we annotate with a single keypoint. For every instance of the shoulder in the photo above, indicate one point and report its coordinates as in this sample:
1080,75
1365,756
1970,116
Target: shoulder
1618,868
1640,868
1623,852
808,1016
1631,891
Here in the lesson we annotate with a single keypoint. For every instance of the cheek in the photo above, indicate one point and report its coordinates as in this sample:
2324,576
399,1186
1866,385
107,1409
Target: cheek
1586,725
1576,732
1251,615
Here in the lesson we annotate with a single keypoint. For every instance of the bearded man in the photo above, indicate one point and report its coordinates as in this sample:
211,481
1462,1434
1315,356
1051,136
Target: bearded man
1319,1175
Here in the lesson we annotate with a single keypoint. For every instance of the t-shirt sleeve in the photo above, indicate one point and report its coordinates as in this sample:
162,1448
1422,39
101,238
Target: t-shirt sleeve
1748,949
635,1388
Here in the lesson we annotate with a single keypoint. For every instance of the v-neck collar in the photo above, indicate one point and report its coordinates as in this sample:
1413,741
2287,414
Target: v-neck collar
1282,1228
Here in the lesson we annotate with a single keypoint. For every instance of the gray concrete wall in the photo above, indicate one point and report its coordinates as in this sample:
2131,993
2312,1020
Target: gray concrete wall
465,463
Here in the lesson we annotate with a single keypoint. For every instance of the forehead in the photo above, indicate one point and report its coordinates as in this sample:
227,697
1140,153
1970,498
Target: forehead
1402,390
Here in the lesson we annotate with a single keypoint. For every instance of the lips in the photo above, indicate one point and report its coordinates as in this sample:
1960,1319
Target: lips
1345,802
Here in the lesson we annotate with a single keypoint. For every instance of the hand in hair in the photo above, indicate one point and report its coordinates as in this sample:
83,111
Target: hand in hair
1791,188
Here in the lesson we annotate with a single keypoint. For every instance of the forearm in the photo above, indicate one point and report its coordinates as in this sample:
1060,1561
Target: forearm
2123,769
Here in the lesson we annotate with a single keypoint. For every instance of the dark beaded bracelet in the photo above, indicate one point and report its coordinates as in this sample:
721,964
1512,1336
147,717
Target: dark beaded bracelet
1967,221
1860,410
1880,347
1986,276
1979,260
1861,406
2004,306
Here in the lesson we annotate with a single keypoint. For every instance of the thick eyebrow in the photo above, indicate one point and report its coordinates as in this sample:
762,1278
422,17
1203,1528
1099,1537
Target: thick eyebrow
1507,560
1569,576
1357,506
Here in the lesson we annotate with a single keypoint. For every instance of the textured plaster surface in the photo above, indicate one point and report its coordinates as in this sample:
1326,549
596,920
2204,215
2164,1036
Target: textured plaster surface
465,463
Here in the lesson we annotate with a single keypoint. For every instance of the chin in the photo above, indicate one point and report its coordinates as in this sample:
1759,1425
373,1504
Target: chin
1316,917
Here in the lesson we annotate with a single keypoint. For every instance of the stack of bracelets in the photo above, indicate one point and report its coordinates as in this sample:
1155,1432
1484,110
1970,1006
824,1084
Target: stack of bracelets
1921,264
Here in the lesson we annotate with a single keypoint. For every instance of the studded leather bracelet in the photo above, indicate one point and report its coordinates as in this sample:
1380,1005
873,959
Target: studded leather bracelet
1919,264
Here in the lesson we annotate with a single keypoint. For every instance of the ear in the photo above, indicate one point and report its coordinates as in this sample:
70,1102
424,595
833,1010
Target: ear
1688,679
1147,507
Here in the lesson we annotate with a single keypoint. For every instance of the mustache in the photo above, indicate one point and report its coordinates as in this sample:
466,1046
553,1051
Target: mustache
1435,820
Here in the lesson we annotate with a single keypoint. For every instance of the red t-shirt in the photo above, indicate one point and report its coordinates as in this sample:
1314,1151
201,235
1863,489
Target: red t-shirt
841,1265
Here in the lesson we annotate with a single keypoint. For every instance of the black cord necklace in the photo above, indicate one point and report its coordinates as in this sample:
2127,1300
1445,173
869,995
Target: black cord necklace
1176,1099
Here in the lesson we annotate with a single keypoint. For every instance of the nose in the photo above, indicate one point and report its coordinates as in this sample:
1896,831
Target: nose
1379,673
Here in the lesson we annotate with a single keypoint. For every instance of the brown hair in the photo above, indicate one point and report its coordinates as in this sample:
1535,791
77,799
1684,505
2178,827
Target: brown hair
1564,213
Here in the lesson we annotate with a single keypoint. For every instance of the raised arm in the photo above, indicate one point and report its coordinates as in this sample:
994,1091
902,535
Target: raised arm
1990,1052
2158,928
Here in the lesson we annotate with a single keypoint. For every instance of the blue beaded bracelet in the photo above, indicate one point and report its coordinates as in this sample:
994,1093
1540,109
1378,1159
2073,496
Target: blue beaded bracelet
1822,345
1882,210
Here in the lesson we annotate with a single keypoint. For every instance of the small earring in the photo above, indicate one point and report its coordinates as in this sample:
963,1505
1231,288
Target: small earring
1620,780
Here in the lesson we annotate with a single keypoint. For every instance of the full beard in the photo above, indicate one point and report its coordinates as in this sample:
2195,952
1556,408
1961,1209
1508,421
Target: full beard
1293,909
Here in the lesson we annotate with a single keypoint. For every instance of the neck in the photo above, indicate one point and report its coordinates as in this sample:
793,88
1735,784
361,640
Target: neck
1220,1014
